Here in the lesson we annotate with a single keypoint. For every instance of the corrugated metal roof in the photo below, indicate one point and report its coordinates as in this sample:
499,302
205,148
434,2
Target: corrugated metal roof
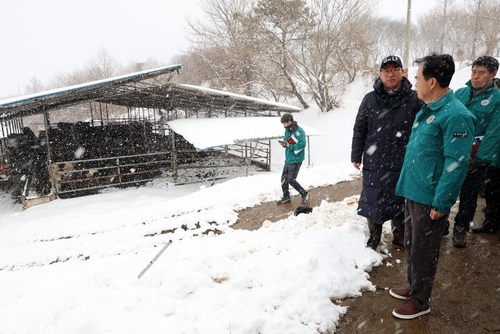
145,89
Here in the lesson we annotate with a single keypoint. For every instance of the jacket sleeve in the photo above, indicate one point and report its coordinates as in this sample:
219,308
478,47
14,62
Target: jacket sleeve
486,152
360,132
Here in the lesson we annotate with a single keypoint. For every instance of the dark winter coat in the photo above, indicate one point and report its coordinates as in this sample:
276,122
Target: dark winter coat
381,132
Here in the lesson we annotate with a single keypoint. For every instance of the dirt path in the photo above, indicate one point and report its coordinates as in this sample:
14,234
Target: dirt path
466,295
252,218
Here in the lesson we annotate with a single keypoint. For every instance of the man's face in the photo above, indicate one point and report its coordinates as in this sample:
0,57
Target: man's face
391,76
422,86
287,124
480,76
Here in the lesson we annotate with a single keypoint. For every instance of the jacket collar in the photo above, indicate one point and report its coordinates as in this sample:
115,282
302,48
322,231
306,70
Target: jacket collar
477,92
441,101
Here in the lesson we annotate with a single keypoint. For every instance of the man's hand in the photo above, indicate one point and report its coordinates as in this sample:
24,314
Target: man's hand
436,215
357,165
473,164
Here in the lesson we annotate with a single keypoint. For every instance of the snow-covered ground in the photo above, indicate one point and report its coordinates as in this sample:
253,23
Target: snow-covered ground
72,265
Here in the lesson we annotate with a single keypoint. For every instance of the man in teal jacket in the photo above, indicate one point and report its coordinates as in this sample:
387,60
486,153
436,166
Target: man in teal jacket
294,143
482,98
492,197
435,165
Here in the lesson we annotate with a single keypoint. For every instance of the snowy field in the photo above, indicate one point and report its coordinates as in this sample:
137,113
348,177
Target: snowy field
72,265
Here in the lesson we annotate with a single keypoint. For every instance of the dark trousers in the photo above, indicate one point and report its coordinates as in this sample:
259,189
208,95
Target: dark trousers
492,195
468,196
289,176
422,241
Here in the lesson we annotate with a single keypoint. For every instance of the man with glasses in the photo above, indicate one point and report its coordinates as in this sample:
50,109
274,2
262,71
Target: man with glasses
381,132
482,98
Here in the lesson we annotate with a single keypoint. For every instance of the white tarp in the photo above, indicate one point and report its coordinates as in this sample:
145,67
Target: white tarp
209,132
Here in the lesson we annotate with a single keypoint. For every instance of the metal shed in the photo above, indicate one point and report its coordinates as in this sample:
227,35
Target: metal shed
70,159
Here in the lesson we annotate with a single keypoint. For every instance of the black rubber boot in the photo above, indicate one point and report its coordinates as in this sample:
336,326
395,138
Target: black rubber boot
459,238
398,233
375,234
487,227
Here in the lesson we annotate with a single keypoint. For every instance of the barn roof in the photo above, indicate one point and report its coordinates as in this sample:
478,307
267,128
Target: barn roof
145,89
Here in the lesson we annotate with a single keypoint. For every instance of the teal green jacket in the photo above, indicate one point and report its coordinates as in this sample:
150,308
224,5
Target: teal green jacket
296,150
486,107
437,155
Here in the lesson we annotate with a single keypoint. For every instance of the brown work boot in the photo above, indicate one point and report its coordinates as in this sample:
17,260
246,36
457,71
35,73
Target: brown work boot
409,311
400,293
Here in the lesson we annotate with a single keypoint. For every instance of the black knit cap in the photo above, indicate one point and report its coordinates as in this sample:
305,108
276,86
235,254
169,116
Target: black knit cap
286,118
486,61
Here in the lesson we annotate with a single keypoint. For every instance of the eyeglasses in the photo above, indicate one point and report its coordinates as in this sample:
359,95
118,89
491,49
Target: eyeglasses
391,70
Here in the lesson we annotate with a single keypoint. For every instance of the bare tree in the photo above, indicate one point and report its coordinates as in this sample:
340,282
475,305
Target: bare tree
485,26
335,49
284,26
445,7
465,32
223,46
150,63
34,86
101,66
76,77
384,38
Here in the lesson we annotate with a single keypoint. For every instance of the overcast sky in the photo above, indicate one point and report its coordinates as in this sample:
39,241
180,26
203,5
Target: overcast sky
44,38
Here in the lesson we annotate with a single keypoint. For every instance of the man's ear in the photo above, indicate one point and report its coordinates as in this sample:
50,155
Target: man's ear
434,83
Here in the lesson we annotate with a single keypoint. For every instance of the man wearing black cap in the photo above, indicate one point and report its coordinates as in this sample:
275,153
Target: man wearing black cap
381,132
294,143
482,98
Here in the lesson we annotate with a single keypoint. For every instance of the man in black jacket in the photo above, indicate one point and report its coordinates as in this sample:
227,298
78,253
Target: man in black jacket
381,132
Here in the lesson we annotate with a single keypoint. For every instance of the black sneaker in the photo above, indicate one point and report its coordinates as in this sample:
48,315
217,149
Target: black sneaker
487,227
459,237
283,200
305,198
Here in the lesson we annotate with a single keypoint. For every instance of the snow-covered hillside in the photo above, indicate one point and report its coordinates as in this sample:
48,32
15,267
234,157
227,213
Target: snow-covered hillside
71,266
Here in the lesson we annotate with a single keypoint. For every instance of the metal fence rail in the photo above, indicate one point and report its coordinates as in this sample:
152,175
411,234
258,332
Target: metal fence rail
90,175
